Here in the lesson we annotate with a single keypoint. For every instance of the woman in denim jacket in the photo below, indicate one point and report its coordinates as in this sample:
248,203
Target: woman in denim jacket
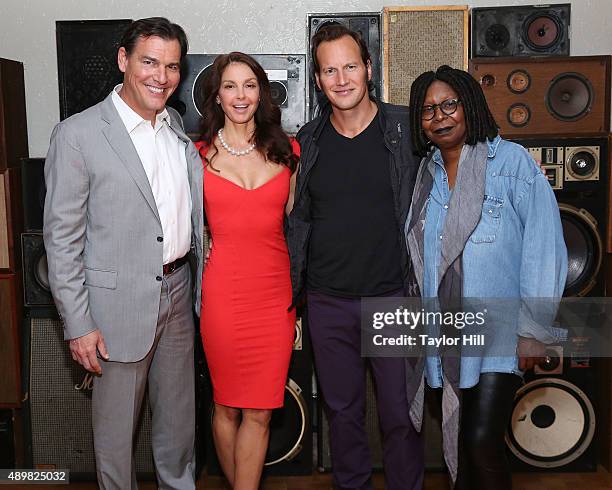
484,228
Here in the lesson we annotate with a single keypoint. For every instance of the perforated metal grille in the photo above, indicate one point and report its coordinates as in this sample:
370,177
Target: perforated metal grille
419,41
60,401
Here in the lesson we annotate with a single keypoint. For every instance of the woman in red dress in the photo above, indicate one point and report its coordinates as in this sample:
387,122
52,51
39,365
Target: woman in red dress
246,328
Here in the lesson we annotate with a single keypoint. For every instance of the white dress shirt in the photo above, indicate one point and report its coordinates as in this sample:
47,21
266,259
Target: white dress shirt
163,157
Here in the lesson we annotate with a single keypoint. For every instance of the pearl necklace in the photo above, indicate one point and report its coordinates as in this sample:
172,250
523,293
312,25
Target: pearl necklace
233,151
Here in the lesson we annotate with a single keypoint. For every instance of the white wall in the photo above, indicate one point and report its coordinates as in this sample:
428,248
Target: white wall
27,33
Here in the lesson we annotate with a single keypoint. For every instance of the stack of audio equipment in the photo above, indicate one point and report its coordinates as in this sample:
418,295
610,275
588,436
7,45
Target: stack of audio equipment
558,107
13,146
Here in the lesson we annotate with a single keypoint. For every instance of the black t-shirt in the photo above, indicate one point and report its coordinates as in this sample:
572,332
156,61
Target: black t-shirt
354,247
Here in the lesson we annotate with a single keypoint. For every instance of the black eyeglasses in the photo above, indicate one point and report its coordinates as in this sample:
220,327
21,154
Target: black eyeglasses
448,107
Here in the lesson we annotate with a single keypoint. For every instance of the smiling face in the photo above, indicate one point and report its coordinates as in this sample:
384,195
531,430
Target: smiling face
151,73
343,77
445,131
239,93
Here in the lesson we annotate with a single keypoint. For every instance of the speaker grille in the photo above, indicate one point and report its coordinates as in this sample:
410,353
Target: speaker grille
60,407
418,40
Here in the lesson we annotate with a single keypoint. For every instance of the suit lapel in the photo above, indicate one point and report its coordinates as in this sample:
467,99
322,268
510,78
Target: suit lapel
120,141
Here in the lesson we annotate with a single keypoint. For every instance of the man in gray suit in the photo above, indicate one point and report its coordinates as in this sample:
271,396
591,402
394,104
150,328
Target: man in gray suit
123,211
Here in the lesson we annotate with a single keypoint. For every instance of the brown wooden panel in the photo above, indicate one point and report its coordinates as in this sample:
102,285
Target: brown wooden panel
11,220
519,94
609,244
13,126
10,316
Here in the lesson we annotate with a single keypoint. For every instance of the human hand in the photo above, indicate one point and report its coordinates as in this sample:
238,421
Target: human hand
210,246
83,350
531,352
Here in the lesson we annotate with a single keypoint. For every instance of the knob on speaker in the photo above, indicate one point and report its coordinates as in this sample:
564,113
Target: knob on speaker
569,96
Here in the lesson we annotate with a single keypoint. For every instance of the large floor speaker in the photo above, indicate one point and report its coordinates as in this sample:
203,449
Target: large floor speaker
577,169
11,221
532,97
554,419
87,62
13,126
290,446
521,30
286,73
59,396
419,39
10,317
434,459
36,288
368,25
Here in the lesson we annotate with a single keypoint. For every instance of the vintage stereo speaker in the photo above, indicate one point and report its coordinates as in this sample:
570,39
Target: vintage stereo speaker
11,221
286,73
434,459
555,96
13,126
59,394
33,191
554,419
521,30
368,25
419,39
290,446
87,62
577,169
10,317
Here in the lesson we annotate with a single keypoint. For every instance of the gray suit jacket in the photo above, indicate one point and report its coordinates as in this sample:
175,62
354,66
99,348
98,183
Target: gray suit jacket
101,229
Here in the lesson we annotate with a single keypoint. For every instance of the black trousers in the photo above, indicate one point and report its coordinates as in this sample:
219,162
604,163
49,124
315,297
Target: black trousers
485,413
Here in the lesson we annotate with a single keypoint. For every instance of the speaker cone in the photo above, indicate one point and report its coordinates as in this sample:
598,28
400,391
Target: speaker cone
582,163
519,115
584,249
198,93
542,32
288,426
279,93
497,37
552,423
569,96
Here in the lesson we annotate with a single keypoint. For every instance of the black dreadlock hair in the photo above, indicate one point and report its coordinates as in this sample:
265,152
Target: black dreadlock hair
478,118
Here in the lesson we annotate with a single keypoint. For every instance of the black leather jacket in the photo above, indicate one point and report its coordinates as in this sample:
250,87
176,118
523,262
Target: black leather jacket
403,165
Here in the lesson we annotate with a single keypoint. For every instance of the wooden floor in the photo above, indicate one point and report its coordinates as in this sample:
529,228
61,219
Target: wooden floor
524,481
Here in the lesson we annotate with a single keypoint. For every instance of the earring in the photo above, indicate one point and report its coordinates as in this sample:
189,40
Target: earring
218,100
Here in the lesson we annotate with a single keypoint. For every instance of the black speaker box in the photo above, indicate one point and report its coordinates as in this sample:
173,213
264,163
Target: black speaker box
368,24
286,73
87,61
521,30
290,447
36,289
33,191
7,443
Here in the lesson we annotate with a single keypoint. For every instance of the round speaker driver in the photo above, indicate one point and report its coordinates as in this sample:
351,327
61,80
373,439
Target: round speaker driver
584,249
552,423
197,93
519,115
518,81
497,37
582,164
287,426
278,91
569,96
41,272
542,32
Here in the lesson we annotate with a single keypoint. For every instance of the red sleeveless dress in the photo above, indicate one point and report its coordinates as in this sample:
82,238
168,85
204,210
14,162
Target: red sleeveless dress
246,329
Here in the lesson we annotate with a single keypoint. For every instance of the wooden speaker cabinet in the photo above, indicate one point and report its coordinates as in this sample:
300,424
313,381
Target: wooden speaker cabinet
557,96
419,39
13,127
10,318
11,219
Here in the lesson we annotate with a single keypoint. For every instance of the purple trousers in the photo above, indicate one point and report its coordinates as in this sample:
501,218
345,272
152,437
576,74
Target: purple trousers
335,331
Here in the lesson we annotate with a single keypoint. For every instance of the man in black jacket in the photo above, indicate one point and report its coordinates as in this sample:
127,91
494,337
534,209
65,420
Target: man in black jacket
345,239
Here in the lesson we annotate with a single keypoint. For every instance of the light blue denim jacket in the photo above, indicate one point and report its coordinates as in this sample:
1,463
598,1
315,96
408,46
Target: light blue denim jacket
516,251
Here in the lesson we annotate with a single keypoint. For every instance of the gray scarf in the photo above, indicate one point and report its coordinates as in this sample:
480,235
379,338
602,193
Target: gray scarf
464,213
